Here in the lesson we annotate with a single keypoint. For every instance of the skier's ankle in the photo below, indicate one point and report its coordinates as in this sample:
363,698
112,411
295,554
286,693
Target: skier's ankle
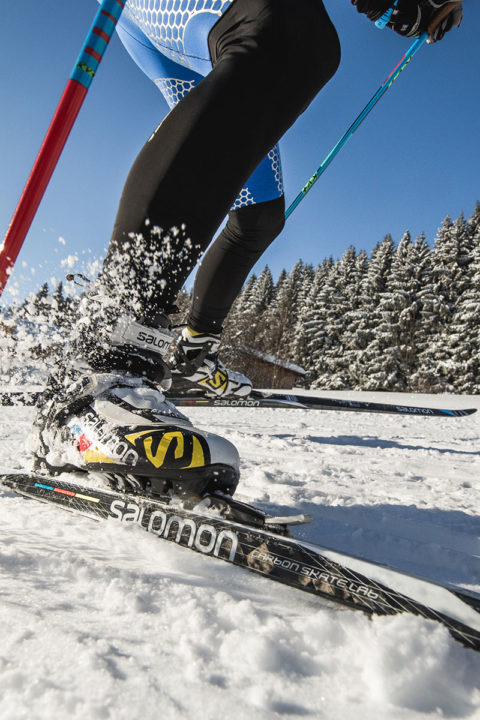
195,364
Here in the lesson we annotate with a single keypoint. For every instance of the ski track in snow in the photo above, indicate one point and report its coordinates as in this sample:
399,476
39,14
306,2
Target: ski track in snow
101,620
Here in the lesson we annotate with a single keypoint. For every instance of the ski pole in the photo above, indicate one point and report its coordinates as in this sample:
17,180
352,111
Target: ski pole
63,120
415,47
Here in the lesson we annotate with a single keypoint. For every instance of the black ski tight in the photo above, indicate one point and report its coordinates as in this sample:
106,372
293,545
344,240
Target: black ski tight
270,58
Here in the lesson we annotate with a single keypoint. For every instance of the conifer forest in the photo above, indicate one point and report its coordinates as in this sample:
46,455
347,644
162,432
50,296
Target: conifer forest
403,318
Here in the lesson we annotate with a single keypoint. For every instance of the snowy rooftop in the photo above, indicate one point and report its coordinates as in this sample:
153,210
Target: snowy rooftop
272,360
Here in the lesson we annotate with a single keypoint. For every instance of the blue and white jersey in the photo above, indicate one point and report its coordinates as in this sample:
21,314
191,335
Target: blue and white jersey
178,28
168,39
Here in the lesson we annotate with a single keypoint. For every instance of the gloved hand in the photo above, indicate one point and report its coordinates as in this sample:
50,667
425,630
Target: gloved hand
448,16
412,17
373,9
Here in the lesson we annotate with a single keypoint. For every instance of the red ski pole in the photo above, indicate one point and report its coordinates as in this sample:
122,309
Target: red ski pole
65,115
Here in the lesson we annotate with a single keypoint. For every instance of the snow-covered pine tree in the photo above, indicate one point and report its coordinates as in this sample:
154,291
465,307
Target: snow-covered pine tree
255,330
245,328
364,362
299,345
42,307
469,314
311,337
282,314
323,344
35,307
426,314
450,260
394,344
462,343
335,303
63,309
242,303
356,319
235,325
57,306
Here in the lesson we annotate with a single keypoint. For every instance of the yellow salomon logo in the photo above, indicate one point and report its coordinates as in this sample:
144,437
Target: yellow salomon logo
94,455
217,382
175,448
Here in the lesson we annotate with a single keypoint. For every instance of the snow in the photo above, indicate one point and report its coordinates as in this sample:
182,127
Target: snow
102,620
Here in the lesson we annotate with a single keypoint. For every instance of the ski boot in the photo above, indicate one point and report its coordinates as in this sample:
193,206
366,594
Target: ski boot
108,414
195,364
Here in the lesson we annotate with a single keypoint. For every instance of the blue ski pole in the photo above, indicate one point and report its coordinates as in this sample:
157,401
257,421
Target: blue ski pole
415,47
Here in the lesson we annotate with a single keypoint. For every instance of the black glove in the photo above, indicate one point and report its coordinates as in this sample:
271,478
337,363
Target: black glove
413,17
440,23
373,9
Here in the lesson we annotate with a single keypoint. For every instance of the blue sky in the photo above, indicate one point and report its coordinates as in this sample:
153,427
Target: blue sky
414,160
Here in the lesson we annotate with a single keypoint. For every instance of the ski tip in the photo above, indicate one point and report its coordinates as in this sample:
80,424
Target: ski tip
289,520
460,413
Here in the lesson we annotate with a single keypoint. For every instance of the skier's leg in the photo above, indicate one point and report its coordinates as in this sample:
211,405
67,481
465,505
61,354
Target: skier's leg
248,231
89,411
226,265
255,220
189,172
179,190
175,81
220,276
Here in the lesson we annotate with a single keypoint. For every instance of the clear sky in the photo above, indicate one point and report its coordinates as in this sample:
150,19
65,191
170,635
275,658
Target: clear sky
414,160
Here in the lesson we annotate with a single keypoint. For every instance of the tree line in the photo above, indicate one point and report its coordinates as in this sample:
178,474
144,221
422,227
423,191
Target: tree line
403,318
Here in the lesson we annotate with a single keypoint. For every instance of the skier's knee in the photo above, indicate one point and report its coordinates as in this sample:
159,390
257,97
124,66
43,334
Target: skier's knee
254,227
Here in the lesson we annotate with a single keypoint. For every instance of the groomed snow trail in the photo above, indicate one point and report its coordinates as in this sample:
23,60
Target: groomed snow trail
100,620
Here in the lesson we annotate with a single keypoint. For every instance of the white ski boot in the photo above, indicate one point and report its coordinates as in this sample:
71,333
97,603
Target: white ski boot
119,423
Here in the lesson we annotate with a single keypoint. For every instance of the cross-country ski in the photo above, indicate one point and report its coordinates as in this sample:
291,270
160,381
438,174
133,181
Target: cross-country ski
393,492
258,543
268,399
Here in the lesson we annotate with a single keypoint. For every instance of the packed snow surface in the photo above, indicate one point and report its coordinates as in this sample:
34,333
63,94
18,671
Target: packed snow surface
102,620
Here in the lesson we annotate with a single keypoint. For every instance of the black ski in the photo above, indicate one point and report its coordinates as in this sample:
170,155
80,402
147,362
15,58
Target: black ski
260,399
334,576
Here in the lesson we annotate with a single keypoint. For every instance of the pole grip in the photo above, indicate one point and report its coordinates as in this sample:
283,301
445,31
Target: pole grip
63,120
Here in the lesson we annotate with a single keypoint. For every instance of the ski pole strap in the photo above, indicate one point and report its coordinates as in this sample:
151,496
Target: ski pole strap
97,41
382,22
414,48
